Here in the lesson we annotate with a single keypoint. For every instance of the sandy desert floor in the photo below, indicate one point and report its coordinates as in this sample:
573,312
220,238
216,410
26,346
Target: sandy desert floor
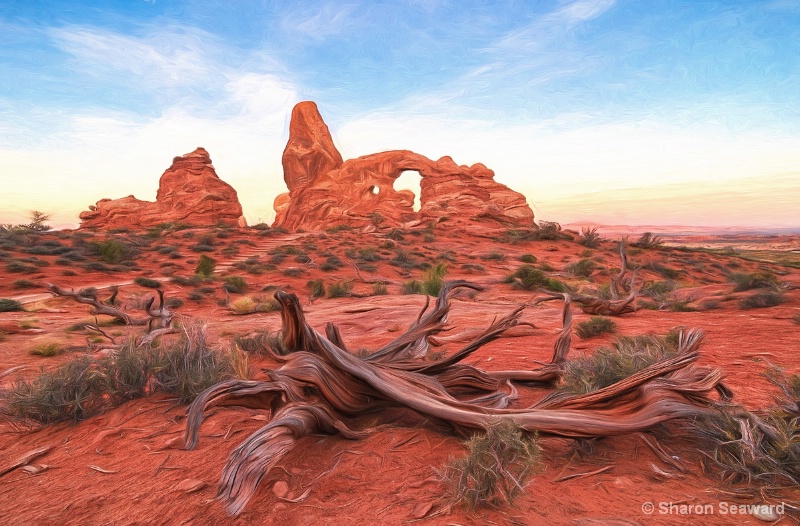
128,466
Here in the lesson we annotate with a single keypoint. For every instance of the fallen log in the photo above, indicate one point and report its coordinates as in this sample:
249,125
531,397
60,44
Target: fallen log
320,387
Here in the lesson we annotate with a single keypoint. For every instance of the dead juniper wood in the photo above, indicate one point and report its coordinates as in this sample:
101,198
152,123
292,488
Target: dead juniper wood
319,387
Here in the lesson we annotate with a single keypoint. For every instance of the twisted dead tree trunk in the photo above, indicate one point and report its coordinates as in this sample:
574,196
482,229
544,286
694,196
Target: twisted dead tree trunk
320,387
158,318
617,305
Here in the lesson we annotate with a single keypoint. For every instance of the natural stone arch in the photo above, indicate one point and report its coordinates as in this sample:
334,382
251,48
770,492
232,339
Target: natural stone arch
411,180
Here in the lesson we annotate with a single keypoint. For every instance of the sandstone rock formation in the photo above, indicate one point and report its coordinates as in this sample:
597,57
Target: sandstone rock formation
189,192
326,192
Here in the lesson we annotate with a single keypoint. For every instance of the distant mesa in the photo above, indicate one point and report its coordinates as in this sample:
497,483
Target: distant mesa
325,191
189,192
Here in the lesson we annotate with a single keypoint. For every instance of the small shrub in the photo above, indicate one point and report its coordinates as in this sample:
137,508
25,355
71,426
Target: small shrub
582,268
493,256
667,272
317,288
190,281
762,300
495,469
648,240
594,326
756,280
189,366
530,278
147,282
589,238
340,289
111,251
413,287
234,284
379,289
626,356
434,279
528,258
46,349
205,267
9,305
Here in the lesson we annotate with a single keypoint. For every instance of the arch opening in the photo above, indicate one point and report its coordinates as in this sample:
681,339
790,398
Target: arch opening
410,180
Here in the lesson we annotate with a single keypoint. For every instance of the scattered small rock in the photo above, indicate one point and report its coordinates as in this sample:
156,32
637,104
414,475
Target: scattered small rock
280,489
190,485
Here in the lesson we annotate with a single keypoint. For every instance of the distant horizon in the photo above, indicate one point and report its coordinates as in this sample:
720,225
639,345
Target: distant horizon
610,111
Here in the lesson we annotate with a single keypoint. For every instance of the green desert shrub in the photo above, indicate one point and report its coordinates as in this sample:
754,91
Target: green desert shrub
530,278
234,284
434,279
582,268
23,284
595,326
761,300
412,287
147,282
317,288
9,305
110,251
46,349
753,280
379,289
607,365
589,238
205,267
340,289
528,258
495,468
189,366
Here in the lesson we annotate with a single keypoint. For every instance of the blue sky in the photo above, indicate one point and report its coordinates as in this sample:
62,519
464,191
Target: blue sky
690,109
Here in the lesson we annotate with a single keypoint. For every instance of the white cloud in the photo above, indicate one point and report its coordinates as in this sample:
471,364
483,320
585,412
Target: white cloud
324,21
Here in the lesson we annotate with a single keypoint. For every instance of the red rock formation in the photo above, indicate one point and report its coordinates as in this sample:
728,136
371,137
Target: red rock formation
189,192
325,192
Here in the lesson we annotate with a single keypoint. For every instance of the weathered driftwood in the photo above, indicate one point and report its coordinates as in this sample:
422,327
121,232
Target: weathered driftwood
321,388
158,318
616,305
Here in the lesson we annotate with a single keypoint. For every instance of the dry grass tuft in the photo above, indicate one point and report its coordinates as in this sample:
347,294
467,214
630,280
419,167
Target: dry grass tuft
495,469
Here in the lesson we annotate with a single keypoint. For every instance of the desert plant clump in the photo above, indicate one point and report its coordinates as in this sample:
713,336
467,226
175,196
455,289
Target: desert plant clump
582,268
234,284
761,448
9,305
528,258
434,279
379,289
187,367
530,278
340,289
589,238
648,240
205,267
495,468
595,326
88,385
46,349
147,282
317,288
607,365
753,280
762,300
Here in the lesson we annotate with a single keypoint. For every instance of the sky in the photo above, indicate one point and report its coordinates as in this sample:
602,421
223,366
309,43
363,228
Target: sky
610,111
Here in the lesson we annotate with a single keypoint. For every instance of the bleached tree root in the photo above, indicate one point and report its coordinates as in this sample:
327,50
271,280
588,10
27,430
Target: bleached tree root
319,387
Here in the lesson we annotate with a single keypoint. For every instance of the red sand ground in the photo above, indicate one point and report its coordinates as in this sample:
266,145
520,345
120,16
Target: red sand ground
127,466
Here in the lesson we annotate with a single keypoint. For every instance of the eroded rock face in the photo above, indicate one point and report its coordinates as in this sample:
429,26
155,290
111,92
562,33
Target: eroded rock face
326,192
189,192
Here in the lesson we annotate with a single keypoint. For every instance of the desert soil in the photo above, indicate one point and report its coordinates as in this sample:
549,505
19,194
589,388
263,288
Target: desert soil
128,466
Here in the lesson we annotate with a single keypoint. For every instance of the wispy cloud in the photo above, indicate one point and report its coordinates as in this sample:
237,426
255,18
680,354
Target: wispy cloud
320,22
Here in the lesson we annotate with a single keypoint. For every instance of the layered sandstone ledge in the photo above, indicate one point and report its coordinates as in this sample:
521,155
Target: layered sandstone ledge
189,192
326,191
